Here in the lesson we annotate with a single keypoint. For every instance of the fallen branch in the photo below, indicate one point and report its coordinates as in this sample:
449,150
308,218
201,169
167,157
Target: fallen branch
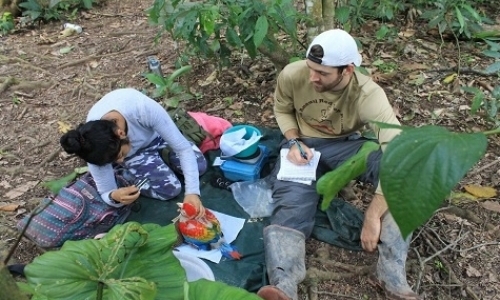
420,271
78,61
7,83
127,33
40,145
485,85
93,56
32,85
445,248
464,71
316,275
469,215
357,270
49,158
26,63
496,161
336,295
26,95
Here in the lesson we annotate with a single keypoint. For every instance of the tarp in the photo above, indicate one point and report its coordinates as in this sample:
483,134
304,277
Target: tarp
250,272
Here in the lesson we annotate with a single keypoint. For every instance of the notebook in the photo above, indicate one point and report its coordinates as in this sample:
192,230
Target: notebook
304,173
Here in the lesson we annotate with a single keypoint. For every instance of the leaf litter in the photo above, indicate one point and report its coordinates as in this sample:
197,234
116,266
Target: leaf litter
74,90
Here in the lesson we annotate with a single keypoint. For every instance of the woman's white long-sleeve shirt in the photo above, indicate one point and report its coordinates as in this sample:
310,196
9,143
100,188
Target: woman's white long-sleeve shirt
146,119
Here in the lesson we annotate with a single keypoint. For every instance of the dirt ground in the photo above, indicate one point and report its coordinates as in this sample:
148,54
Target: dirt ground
454,256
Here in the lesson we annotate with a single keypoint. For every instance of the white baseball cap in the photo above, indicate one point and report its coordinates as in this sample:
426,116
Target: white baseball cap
339,48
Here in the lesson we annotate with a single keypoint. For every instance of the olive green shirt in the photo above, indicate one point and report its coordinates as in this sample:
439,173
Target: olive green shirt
331,114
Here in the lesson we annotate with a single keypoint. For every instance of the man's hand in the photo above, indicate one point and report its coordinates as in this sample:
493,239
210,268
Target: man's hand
125,195
194,200
370,234
295,156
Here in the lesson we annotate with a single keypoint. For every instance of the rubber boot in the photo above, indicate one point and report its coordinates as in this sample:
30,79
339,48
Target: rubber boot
391,270
285,250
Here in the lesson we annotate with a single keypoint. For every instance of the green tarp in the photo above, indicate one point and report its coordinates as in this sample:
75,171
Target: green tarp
249,272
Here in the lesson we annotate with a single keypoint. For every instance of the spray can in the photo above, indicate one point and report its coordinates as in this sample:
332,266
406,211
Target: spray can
154,65
76,28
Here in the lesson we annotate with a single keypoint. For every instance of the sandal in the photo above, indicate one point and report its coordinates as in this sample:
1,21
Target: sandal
221,182
379,284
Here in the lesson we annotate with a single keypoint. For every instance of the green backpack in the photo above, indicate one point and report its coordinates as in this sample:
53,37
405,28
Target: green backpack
188,125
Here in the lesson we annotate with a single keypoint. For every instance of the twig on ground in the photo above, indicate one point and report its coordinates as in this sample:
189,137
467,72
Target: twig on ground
469,215
26,63
429,239
127,33
464,71
77,62
147,53
26,95
357,270
445,248
7,83
420,271
336,295
40,145
49,158
312,290
479,246
21,115
315,274
486,166
93,56
32,85
485,85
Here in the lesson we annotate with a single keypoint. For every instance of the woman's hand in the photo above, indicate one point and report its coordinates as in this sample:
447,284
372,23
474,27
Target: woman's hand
125,195
195,200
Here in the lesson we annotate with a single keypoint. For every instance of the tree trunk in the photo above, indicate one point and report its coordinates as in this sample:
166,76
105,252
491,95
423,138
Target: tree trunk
314,8
328,14
278,56
322,12
10,6
8,286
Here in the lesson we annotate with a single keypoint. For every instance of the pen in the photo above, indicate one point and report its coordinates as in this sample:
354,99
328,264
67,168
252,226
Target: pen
302,152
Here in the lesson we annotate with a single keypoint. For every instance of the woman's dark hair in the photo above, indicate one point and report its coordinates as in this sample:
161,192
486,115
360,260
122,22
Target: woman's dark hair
317,51
96,142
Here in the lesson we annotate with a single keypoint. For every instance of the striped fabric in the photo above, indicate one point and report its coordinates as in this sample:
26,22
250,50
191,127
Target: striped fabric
77,212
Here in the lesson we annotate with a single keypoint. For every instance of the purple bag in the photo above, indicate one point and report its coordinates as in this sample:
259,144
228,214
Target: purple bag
77,212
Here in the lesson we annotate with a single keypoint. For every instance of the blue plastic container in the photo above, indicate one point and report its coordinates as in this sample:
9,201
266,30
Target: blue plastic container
249,131
239,171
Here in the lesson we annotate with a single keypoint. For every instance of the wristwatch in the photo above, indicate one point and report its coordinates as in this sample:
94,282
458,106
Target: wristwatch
293,141
112,200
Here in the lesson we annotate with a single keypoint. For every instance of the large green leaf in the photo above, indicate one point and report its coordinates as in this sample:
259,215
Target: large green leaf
332,182
493,68
132,261
57,184
421,166
261,27
204,289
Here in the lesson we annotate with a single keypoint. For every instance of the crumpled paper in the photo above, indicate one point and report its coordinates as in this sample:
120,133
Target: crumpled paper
232,143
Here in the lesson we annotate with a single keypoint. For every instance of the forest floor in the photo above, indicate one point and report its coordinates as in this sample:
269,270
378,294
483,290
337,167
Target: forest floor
57,79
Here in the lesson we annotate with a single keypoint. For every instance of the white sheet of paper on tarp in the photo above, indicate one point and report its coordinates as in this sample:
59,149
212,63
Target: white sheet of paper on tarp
230,226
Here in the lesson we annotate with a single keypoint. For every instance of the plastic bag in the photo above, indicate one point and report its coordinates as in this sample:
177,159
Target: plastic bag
255,197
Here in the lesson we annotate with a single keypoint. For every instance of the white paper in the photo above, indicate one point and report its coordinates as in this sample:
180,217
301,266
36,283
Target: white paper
233,143
289,171
218,161
230,226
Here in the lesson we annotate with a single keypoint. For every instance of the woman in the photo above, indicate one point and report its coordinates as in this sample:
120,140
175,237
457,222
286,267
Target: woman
129,128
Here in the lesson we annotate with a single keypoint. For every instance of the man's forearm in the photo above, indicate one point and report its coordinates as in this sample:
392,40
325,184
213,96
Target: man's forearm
292,134
377,207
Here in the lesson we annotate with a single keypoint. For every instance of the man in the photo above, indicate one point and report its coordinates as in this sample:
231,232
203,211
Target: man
321,103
